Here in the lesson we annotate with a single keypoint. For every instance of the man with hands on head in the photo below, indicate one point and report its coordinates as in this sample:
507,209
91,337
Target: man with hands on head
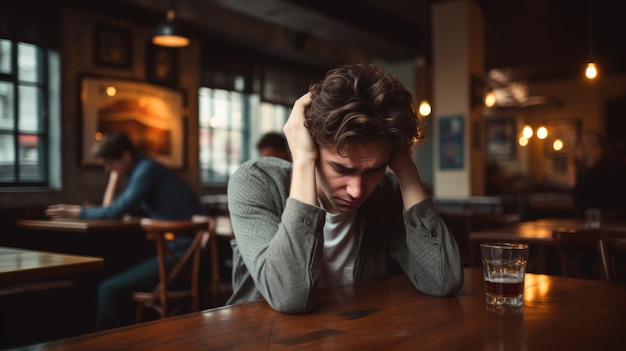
336,214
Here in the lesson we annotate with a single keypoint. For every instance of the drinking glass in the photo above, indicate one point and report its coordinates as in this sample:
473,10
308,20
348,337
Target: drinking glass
594,216
504,267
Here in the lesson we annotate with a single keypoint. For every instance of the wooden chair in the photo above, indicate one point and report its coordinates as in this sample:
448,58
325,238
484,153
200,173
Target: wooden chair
163,299
613,268
590,253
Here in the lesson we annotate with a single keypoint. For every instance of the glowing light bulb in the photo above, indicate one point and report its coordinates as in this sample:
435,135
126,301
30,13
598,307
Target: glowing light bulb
523,141
557,145
542,132
424,108
490,99
591,71
527,132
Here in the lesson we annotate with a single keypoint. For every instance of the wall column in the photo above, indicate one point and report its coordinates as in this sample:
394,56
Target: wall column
457,88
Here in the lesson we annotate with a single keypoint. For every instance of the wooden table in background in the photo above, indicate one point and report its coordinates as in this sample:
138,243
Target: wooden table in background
537,233
120,242
558,314
79,225
24,266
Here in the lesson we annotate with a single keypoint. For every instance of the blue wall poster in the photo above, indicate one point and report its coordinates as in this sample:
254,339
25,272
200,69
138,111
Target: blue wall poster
451,142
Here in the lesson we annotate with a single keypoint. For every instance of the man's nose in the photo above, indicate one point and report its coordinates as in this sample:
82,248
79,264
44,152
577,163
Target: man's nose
355,187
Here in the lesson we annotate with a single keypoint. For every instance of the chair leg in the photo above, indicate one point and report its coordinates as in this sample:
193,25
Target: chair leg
138,313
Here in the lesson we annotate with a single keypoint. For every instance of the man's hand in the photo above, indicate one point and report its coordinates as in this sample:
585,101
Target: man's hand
304,153
62,211
299,138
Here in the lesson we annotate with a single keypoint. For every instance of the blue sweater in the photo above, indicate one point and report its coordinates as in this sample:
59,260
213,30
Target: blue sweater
159,192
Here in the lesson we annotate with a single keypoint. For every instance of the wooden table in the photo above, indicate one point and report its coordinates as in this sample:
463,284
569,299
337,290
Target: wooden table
20,266
121,242
537,233
79,225
559,314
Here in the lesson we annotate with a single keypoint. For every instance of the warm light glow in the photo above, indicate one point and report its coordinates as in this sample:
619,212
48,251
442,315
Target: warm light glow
424,108
98,136
527,132
171,41
542,132
523,141
591,71
490,99
111,91
166,34
536,287
557,145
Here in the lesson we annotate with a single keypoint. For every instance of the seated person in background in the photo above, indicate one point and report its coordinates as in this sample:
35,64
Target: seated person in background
160,193
597,178
273,144
335,215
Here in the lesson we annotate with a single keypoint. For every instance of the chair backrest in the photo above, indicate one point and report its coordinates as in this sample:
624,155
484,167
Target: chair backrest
613,256
161,231
589,253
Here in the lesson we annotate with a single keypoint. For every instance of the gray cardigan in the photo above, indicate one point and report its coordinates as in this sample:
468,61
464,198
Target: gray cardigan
278,240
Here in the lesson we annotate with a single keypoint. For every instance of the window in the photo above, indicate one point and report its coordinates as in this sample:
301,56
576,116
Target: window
25,101
230,124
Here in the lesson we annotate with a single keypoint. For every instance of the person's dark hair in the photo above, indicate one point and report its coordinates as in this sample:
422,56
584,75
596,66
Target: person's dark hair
113,145
273,140
362,102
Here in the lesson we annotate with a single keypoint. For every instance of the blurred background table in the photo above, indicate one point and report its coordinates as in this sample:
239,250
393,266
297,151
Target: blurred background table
20,266
536,233
78,225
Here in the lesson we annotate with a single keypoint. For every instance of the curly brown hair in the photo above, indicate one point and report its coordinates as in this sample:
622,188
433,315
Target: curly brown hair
362,102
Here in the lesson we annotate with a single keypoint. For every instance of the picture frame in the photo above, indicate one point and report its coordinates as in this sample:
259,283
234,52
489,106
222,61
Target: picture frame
113,46
451,142
500,138
565,130
162,65
151,115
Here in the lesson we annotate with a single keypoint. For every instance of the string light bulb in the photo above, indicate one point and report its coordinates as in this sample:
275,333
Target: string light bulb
591,70
542,132
490,99
424,108
527,132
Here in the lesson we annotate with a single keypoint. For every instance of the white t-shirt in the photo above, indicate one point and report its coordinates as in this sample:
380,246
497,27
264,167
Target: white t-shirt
337,266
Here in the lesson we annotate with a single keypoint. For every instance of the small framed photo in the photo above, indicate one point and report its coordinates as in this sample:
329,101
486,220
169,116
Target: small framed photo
500,138
113,46
162,65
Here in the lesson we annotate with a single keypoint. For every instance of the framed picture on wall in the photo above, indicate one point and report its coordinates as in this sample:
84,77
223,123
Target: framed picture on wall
151,115
562,137
500,138
113,46
162,65
451,142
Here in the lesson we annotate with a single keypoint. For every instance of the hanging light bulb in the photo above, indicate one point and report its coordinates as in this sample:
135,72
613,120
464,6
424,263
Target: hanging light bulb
424,109
527,132
522,141
591,70
490,99
166,33
542,132
557,145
